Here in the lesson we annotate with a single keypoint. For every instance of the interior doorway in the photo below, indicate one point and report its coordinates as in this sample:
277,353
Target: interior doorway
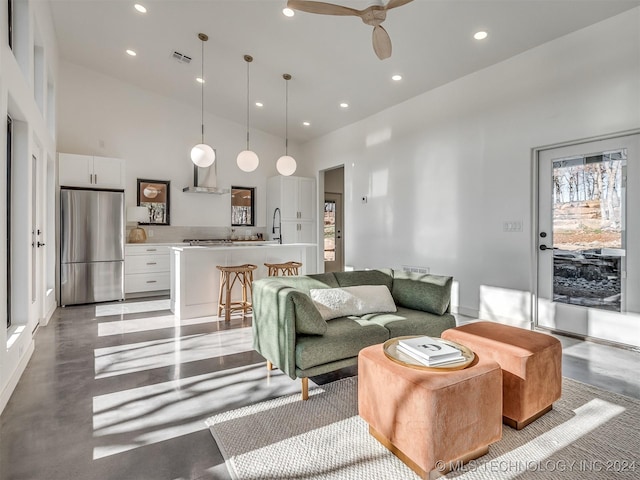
588,256
333,225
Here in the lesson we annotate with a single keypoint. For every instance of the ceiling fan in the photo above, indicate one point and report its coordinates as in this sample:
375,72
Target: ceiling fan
373,15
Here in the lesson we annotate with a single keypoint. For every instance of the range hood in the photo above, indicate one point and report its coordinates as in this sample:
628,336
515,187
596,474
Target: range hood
205,180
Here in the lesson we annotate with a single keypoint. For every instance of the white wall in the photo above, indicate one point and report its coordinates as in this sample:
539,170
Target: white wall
444,170
22,81
100,115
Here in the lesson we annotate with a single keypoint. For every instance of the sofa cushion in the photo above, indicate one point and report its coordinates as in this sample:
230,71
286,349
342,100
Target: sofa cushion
383,276
308,319
357,300
406,321
344,338
419,291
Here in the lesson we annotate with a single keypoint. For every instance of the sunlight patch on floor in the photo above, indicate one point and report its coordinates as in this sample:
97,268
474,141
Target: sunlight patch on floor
146,324
138,357
136,417
132,307
588,417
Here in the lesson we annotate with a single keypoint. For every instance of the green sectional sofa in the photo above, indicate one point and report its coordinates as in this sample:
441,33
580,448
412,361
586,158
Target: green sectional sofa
290,333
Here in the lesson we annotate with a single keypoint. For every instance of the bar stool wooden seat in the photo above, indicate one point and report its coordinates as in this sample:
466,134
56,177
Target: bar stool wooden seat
229,275
286,269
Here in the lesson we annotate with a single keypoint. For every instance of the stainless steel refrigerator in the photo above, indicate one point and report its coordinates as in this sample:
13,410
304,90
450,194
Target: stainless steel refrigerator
91,246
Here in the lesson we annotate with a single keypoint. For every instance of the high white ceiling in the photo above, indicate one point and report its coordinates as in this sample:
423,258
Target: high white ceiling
330,57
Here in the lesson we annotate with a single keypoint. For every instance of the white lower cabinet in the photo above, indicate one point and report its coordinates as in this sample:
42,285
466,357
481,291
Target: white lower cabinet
298,232
147,268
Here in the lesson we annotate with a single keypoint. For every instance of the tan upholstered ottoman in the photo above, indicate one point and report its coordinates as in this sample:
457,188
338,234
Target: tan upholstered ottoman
429,419
531,366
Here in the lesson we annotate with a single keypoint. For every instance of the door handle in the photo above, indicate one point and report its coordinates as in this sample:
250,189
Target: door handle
544,247
40,244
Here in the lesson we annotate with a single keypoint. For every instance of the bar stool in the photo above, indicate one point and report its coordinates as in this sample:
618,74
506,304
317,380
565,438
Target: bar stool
228,277
286,269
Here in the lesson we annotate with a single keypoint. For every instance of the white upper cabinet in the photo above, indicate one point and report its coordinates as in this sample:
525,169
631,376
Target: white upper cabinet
296,199
89,171
295,196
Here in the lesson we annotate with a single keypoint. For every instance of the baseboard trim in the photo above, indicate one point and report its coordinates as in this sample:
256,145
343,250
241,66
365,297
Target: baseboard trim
49,314
467,312
15,376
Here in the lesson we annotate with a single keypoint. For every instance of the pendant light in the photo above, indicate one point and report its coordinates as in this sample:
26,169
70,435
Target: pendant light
247,160
202,154
286,165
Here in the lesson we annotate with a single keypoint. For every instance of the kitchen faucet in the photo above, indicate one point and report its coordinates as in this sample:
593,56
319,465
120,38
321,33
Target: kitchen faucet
279,227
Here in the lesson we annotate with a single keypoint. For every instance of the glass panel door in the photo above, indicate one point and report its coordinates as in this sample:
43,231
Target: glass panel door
333,259
588,272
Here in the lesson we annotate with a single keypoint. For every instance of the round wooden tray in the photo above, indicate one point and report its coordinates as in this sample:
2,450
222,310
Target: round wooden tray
389,348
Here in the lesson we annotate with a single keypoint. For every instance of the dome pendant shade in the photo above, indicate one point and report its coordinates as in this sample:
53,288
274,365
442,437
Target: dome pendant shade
203,155
247,161
286,165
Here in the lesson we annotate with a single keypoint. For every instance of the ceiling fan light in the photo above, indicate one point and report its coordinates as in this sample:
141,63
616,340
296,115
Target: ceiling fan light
203,155
247,161
286,165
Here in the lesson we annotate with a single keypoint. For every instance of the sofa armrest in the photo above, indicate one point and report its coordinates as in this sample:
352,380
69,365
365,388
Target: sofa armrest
274,323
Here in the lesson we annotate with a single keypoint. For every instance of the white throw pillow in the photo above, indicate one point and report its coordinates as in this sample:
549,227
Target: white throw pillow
358,300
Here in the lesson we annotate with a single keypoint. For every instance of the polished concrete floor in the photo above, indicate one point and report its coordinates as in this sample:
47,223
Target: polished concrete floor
121,391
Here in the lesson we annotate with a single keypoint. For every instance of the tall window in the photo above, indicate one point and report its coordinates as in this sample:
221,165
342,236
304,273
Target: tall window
10,22
8,189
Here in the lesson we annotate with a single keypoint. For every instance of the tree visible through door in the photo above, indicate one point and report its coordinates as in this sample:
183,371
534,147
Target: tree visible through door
587,237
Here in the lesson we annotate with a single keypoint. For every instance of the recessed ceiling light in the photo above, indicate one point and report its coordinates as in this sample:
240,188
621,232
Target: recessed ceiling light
140,8
199,79
259,104
287,12
306,124
131,52
396,78
344,105
480,35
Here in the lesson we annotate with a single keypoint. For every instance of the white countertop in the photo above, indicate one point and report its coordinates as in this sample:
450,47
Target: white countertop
241,245
155,244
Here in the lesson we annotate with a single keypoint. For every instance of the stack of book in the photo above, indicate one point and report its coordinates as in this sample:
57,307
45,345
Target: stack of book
429,351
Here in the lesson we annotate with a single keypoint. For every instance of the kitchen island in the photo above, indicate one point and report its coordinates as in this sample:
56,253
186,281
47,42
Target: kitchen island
195,280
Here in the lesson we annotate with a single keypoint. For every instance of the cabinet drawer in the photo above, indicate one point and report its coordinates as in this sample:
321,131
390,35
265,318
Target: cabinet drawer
146,282
146,263
146,250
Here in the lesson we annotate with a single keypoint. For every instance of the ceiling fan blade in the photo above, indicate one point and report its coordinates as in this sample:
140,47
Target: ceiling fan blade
321,7
381,42
396,3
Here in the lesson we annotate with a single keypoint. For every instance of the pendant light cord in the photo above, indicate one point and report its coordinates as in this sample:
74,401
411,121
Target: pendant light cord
286,117
202,94
248,61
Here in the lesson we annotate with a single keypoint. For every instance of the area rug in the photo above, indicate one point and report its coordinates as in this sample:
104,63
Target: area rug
590,433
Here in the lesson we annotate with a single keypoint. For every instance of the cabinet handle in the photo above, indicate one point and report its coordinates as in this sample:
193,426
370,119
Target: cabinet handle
95,178
91,178
151,249
152,281
151,263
